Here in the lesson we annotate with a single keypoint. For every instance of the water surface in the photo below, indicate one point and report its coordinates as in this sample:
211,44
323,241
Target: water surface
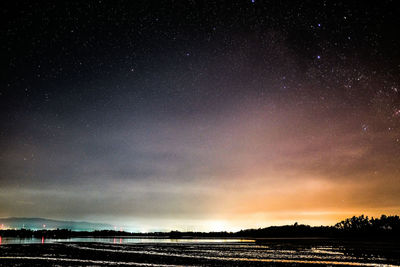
116,240
201,251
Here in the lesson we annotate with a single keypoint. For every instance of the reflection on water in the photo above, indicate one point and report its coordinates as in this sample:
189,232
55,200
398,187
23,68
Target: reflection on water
212,251
114,240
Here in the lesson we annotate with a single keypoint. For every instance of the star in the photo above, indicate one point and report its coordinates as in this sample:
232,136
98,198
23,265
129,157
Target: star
364,127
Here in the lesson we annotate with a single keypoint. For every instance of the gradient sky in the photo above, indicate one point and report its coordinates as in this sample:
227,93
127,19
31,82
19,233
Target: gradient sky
200,116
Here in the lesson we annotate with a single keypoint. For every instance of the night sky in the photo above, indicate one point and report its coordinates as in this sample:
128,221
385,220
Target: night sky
199,115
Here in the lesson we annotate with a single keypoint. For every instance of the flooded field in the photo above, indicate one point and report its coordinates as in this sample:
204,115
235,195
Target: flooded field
197,252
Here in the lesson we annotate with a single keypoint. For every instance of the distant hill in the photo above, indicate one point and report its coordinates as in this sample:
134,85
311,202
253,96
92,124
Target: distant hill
42,223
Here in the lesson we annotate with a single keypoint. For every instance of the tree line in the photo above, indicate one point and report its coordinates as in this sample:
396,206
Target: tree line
387,227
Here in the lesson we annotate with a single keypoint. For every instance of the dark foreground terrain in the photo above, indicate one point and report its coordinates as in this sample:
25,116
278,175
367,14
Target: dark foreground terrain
276,252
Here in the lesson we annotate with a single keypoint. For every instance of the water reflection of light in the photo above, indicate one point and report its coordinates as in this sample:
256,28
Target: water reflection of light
42,239
120,240
225,255
114,241
0,240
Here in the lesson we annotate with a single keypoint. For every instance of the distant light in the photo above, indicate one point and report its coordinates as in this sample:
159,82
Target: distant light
44,226
364,127
319,57
319,25
252,1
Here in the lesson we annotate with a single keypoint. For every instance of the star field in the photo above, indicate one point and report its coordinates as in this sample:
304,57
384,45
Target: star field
243,112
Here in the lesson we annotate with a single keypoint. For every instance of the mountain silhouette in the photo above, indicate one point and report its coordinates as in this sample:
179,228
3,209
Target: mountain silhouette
44,223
